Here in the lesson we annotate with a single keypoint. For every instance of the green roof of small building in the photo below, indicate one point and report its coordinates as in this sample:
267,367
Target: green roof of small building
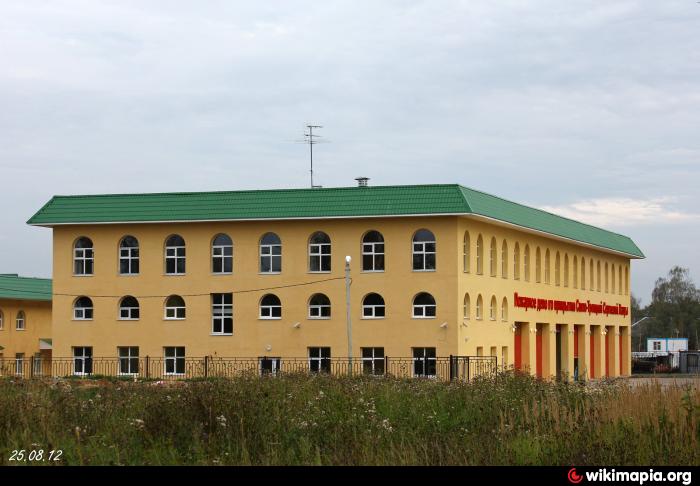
15,287
339,202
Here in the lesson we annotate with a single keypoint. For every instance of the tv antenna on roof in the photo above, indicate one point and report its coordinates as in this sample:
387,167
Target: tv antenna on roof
311,139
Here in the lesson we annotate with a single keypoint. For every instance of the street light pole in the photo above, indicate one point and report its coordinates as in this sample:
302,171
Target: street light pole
348,318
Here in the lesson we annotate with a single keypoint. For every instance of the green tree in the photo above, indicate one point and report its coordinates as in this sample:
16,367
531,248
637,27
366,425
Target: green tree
675,307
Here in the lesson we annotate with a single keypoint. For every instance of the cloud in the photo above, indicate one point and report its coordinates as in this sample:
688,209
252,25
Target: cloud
621,211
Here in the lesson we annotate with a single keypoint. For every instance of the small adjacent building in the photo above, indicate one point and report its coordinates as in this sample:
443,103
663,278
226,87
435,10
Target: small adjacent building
25,325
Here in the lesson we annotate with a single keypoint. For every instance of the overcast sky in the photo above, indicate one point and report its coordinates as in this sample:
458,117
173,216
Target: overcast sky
590,109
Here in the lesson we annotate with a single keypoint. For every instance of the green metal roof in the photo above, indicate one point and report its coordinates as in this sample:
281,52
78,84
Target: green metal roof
433,199
24,288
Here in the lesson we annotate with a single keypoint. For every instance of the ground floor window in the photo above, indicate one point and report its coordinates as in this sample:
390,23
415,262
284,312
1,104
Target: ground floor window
128,360
19,364
424,362
174,360
320,360
269,366
37,364
82,360
373,361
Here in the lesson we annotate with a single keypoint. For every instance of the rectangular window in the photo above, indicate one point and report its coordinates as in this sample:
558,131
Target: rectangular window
320,360
19,364
269,366
175,260
174,360
270,258
657,345
222,314
423,255
222,258
373,361
128,360
424,362
83,261
37,364
373,257
82,360
129,261
320,257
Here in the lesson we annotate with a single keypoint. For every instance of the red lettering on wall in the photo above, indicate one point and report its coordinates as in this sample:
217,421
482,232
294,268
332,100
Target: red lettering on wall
564,306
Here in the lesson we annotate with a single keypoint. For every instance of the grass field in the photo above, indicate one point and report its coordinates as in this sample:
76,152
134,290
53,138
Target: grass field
330,420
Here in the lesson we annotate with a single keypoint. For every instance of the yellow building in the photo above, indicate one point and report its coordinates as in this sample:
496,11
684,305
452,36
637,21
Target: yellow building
174,282
25,325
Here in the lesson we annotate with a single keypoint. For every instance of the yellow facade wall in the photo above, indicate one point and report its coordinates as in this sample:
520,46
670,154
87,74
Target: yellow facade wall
37,326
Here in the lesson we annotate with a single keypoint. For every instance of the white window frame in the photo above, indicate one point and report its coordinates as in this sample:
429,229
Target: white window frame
373,308
220,311
19,364
276,365
479,314
175,309
319,308
425,359
82,358
319,253
129,311
128,357
21,321
370,249
373,359
79,313
2,320
174,359
267,253
418,248
84,256
130,255
176,254
269,309
420,311
493,309
218,252
319,359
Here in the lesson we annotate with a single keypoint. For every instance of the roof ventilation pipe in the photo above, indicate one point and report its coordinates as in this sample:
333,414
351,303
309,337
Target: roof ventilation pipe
362,181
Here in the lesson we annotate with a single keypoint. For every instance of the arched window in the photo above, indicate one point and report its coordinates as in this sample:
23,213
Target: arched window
129,309
547,267
538,265
492,258
83,257
466,247
175,255
82,309
479,307
373,307
129,256
373,252
607,288
424,305
2,320
480,255
21,321
627,281
619,280
575,268
598,278
424,251
319,252
175,308
270,307
591,285
319,307
526,263
504,259
557,270
612,278
466,310
566,269
504,309
516,261
492,309
270,253
583,273
222,254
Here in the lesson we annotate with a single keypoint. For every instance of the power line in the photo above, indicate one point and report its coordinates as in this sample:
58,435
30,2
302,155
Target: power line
181,295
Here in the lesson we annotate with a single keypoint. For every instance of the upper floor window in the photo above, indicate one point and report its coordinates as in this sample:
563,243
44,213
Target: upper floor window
479,255
479,307
538,265
612,278
493,264
619,280
557,270
373,306
466,308
175,255
516,261
606,278
20,321
504,259
583,273
319,252
504,310
492,308
222,254
83,257
591,285
547,273
627,281
129,309
82,309
466,253
526,263
129,256
574,280
598,277
373,252
2,320
566,270
270,307
424,250
175,308
222,313
424,305
319,307
270,253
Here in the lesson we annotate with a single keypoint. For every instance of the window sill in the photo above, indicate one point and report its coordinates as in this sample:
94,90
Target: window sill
174,318
20,329
129,274
319,318
221,334
269,273
364,318
127,320
83,274
423,271
221,273
424,317
269,318
82,320
174,274
372,271
319,271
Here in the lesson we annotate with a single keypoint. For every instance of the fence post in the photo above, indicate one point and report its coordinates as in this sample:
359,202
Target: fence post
386,365
206,366
469,362
452,370
148,366
31,367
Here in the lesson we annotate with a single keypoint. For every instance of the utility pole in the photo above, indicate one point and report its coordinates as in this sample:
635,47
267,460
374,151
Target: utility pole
310,138
348,318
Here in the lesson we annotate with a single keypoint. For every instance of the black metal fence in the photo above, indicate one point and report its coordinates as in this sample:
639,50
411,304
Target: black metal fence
461,368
